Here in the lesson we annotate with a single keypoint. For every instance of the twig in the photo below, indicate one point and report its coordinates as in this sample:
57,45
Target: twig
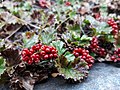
80,20
26,23
62,23
12,33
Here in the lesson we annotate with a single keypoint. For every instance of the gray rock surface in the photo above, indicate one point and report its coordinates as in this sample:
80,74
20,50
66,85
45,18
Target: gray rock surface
101,77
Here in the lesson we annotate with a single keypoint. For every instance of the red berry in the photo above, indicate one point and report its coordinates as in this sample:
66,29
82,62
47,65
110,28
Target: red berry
67,3
87,51
36,60
51,55
83,57
31,50
25,52
80,50
33,56
118,59
47,50
26,58
43,48
53,51
94,45
30,62
114,31
34,47
118,55
102,49
83,51
115,26
77,49
76,54
113,58
119,50
55,55
37,56
85,54
38,46
42,52
46,57
90,65
43,3
50,47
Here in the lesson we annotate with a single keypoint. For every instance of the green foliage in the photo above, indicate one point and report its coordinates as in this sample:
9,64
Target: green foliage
72,14
74,29
60,1
70,69
70,57
28,42
47,36
59,46
2,65
101,27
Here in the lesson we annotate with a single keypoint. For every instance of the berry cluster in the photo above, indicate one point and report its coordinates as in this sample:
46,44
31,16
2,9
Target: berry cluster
38,52
95,48
48,52
116,56
114,26
84,54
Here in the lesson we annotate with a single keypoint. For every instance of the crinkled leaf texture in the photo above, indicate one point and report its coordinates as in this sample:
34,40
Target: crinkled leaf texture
101,27
59,46
47,36
2,65
28,42
75,69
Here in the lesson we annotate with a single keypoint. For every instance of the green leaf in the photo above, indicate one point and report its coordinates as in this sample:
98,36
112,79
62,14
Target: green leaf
74,30
86,38
26,6
31,41
86,21
71,70
103,28
60,1
84,43
71,73
70,57
59,46
2,65
92,20
72,14
47,37
110,38
75,27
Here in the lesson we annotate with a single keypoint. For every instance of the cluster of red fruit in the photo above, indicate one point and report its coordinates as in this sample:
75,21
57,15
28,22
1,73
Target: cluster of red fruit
95,48
84,54
116,56
38,52
114,26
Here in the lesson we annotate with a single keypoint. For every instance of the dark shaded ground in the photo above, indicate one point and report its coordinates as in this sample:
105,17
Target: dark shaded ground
102,77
